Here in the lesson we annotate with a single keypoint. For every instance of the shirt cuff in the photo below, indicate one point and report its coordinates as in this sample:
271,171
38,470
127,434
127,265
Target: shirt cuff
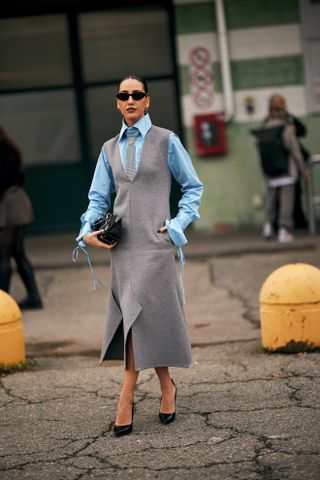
86,228
176,232
184,219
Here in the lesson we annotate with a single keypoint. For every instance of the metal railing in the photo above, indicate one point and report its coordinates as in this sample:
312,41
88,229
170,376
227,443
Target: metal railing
313,200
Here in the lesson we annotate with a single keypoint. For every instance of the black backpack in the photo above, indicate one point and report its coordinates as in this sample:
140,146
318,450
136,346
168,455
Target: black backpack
273,154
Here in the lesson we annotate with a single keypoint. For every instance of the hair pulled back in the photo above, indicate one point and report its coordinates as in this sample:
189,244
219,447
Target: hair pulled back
135,77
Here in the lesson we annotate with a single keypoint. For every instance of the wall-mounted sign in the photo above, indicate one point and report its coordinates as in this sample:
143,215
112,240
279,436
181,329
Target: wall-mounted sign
201,77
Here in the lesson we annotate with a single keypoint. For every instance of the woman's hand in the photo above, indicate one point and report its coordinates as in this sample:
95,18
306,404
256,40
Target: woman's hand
92,239
162,229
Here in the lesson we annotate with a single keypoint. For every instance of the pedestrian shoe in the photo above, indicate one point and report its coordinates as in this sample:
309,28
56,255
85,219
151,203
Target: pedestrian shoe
267,231
31,304
285,236
166,418
120,430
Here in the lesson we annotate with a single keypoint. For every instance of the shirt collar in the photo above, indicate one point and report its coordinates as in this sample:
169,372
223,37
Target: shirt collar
143,125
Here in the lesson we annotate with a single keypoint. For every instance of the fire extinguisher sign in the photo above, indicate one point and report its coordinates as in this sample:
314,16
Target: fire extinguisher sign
201,77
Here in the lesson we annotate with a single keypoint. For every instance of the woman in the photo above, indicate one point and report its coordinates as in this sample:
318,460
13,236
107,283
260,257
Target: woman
146,324
15,213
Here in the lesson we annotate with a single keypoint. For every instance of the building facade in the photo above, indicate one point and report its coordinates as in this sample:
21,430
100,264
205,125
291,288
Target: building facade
59,67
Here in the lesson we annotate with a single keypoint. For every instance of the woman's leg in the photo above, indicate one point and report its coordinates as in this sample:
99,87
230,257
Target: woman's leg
25,271
124,410
6,240
167,390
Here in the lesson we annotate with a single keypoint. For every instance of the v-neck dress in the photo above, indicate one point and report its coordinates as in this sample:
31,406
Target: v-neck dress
145,293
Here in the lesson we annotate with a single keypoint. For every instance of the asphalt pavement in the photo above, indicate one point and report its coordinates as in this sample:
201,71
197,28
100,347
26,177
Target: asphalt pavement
241,413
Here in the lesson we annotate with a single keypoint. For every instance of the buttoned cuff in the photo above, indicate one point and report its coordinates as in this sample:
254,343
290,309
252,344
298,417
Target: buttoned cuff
175,232
85,229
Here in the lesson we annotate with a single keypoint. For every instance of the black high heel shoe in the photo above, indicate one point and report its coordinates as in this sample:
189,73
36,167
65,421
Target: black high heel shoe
120,430
166,418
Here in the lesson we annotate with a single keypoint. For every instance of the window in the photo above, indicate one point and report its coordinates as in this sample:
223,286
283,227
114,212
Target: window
115,43
43,124
34,52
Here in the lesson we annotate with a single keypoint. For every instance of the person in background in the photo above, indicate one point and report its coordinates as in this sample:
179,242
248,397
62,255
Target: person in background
281,189
279,102
15,213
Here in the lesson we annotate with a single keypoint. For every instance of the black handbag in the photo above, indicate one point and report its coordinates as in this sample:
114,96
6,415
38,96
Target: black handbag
110,228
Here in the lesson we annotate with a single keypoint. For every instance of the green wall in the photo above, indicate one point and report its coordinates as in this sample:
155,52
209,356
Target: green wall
200,17
233,179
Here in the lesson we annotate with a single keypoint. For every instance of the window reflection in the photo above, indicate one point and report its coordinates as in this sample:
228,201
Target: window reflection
43,124
34,52
117,42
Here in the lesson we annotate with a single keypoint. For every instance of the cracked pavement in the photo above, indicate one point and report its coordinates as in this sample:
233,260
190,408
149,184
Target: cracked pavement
241,415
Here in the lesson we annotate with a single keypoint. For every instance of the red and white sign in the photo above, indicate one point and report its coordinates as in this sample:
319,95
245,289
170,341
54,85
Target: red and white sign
199,57
203,98
201,77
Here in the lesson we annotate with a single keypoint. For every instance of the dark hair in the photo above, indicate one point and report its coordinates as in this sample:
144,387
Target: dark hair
135,77
5,138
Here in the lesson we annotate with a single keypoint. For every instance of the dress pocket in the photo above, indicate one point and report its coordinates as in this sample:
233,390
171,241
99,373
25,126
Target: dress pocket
166,237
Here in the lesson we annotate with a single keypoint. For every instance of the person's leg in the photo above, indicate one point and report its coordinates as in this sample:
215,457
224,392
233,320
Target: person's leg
167,390
6,239
130,378
25,271
286,207
271,199
275,221
299,217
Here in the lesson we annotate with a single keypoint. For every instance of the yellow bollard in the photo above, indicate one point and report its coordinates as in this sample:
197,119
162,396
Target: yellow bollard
290,309
12,348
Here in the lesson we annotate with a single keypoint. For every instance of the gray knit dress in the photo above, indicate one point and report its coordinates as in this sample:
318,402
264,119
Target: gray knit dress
145,293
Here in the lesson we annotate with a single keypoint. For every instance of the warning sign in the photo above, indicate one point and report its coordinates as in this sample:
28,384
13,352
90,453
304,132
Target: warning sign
200,57
203,98
201,77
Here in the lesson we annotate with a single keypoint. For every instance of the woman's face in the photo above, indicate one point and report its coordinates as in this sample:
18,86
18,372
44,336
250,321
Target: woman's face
132,110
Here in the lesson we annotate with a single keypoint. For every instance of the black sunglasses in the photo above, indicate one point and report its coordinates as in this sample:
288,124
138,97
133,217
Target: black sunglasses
135,95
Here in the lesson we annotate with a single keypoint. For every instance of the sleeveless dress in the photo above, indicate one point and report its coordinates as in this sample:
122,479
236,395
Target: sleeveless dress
145,293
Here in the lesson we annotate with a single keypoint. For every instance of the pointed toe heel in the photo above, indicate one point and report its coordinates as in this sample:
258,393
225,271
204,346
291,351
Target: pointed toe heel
120,430
166,418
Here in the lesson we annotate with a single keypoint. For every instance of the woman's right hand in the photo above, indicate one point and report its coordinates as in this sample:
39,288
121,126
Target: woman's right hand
92,240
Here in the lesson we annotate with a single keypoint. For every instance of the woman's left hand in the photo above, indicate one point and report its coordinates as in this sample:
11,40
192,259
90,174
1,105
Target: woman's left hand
162,229
92,239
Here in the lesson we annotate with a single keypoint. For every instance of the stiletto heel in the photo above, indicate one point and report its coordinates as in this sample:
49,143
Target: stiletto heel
120,430
166,418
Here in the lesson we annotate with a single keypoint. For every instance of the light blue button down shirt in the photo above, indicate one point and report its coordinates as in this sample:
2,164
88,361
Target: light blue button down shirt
180,165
